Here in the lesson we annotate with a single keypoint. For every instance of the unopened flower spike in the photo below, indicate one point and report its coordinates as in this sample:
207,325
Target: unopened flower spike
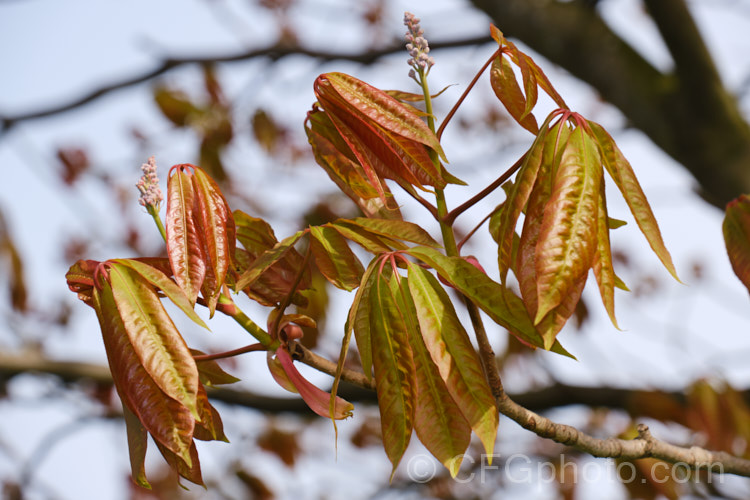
148,185
418,48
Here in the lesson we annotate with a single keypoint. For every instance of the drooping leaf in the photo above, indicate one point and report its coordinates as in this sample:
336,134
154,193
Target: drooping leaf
379,107
334,258
137,443
453,354
190,470
394,369
184,247
359,320
622,173
736,229
160,280
438,421
209,427
217,232
602,266
503,81
266,260
316,399
154,337
567,236
168,421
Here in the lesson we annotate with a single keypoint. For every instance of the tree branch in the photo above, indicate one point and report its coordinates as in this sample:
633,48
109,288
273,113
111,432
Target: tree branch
273,52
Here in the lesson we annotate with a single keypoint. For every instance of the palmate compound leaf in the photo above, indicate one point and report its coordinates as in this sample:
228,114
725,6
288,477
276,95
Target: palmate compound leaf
394,368
453,354
622,173
502,305
736,229
438,420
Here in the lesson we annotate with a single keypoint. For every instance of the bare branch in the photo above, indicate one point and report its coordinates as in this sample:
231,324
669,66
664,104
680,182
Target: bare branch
273,52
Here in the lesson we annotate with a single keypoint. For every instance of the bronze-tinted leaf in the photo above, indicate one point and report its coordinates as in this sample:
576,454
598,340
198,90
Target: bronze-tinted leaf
394,229
184,247
506,88
137,443
155,340
736,228
168,421
266,260
359,317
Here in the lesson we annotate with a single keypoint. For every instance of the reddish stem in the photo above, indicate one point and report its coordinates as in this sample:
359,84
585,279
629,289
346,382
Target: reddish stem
229,354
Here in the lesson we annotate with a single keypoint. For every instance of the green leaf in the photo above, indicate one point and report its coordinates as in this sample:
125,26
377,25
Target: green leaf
454,355
359,320
622,173
266,260
137,443
567,237
394,370
155,340
379,107
168,421
255,234
394,229
736,229
184,247
166,285
371,242
334,258
504,307
211,373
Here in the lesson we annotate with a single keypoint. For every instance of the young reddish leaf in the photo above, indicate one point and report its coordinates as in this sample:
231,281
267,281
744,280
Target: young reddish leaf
503,81
266,260
359,320
379,107
255,234
539,76
567,236
334,258
394,229
217,232
184,247
551,324
602,265
210,426
168,421
80,279
736,229
394,370
189,469
348,175
166,285
315,398
137,443
155,340
622,173
453,354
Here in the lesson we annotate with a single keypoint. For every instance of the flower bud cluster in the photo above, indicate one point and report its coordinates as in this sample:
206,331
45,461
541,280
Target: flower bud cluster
417,46
148,185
